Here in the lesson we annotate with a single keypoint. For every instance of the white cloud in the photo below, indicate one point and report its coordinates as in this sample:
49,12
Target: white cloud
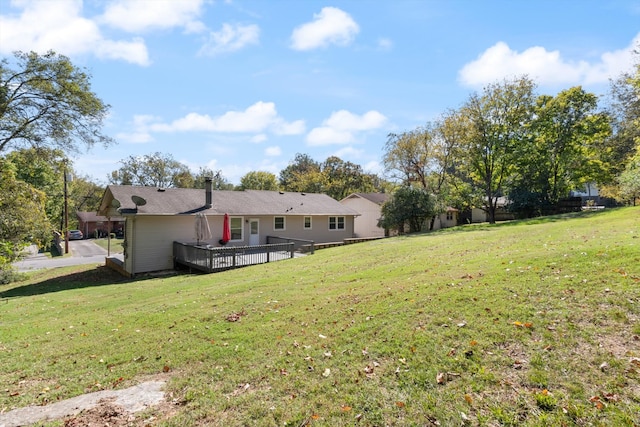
258,118
545,67
330,26
137,16
273,151
46,25
257,139
348,152
385,44
346,120
328,136
230,39
341,126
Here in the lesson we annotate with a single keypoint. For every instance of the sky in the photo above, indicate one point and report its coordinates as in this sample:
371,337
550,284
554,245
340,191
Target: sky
245,85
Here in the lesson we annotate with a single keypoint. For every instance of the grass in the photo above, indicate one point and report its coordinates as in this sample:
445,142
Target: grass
525,323
116,244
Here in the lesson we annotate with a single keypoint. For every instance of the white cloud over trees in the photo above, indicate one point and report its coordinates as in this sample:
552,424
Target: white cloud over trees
544,66
330,26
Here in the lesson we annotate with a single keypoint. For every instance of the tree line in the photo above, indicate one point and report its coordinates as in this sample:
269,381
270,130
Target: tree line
507,140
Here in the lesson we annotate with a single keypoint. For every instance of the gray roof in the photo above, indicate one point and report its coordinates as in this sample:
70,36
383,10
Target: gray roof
172,201
377,198
94,217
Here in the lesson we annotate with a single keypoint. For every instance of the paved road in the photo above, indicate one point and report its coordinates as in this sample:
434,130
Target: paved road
82,252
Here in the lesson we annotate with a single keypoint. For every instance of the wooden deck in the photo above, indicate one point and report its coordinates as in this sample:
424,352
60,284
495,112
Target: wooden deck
213,259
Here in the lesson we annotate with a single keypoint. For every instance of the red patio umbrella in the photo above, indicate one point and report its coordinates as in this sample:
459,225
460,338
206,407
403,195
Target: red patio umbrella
226,230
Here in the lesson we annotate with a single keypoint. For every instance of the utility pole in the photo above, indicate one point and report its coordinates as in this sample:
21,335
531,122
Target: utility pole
66,213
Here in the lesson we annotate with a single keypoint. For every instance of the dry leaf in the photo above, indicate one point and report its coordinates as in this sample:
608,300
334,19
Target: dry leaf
468,398
400,404
326,372
345,408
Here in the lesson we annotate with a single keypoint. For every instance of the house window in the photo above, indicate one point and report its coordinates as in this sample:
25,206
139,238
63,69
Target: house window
449,216
278,223
307,223
236,227
336,223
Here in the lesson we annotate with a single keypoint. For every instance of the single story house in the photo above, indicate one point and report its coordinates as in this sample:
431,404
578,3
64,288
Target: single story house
90,223
502,213
156,217
449,218
369,205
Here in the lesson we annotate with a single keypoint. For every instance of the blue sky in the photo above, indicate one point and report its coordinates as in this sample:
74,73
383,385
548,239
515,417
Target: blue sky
243,85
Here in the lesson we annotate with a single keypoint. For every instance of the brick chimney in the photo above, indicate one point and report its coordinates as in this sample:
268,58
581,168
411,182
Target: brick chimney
207,188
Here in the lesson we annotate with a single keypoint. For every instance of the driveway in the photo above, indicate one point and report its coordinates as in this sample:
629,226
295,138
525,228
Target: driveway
81,252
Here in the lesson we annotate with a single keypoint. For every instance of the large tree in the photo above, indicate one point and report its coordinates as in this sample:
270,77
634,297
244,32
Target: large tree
43,168
497,126
218,181
302,174
259,180
343,178
564,150
154,170
46,101
408,205
22,217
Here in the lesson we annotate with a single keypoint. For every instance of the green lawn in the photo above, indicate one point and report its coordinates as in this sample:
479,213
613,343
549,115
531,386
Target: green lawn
116,244
530,323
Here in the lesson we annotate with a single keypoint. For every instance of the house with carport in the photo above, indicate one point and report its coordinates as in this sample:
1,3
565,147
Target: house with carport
156,217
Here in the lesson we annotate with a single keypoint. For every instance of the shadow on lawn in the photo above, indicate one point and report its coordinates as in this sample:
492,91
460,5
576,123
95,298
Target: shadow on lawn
98,276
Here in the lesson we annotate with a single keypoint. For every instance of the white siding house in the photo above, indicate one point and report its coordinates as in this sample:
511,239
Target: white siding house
156,217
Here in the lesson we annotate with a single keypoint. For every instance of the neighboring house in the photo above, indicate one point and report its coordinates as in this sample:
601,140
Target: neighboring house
369,206
448,218
502,214
156,217
90,222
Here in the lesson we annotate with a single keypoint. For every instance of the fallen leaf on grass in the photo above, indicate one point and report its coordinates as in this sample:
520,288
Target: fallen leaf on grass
596,402
611,397
400,404
345,408
166,368
315,416
468,399
326,373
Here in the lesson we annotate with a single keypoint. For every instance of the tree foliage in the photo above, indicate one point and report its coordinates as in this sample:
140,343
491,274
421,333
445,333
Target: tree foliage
259,180
342,178
303,174
218,181
334,177
153,170
43,168
45,101
22,217
408,205
496,122
564,150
